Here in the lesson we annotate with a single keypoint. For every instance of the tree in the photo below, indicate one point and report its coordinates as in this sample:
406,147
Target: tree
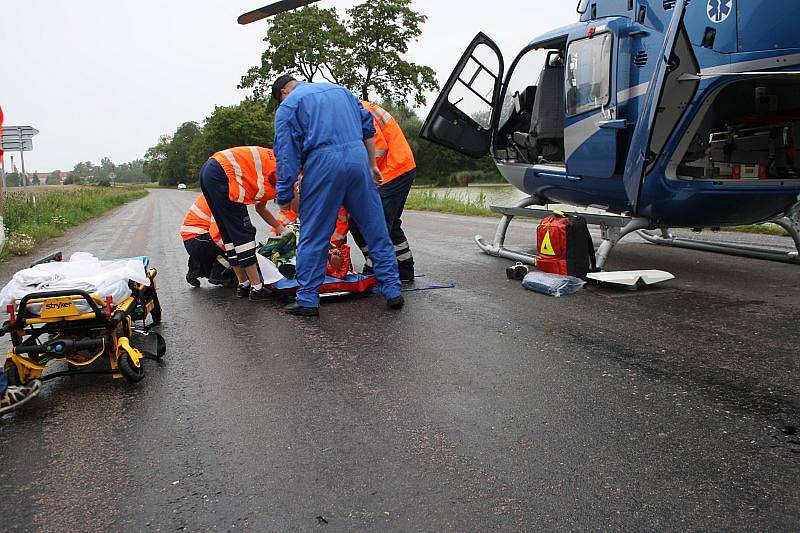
105,169
309,42
364,53
380,32
177,167
251,123
35,179
54,178
156,157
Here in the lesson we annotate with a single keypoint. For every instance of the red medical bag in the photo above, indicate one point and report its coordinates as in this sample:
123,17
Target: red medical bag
565,246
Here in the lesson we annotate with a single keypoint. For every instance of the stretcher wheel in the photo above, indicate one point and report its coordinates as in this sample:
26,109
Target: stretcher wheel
156,312
129,371
12,374
161,346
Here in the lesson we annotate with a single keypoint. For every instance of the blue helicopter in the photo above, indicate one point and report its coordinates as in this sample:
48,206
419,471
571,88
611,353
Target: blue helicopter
658,114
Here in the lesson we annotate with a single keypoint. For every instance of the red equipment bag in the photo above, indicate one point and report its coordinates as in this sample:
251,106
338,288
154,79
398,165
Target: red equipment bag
565,246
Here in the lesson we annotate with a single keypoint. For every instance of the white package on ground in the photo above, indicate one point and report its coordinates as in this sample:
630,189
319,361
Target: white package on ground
82,272
631,278
269,272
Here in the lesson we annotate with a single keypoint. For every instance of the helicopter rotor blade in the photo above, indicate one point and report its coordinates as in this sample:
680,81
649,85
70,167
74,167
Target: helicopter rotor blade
273,9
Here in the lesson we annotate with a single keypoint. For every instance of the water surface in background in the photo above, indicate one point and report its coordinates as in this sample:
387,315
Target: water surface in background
501,195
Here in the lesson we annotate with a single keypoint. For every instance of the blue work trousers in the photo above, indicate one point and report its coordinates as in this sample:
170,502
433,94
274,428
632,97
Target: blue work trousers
238,233
3,382
334,176
393,197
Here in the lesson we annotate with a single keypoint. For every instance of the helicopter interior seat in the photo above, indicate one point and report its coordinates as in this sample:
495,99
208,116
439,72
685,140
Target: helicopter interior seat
545,139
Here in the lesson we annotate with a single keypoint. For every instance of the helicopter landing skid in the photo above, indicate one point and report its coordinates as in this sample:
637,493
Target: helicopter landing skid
790,223
613,228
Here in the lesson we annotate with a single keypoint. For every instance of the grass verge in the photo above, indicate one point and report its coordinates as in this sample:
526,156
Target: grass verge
422,200
761,229
30,221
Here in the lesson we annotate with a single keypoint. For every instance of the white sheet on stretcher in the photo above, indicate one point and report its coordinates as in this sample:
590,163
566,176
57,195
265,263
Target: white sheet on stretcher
83,272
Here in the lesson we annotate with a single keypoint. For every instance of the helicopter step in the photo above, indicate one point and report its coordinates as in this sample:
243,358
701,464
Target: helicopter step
613,228
791,224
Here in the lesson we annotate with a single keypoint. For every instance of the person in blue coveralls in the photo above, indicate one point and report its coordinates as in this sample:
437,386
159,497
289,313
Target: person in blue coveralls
323,132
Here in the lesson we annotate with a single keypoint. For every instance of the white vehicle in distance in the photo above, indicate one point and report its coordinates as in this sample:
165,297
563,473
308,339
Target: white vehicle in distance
181,186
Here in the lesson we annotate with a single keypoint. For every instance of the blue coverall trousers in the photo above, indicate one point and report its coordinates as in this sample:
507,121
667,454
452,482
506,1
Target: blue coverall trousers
334,176
3,382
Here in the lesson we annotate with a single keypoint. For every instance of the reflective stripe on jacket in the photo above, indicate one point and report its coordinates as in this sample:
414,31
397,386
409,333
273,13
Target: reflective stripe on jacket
251,171
199,221
392,151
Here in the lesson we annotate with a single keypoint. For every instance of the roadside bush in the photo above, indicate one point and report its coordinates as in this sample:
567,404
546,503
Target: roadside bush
48,214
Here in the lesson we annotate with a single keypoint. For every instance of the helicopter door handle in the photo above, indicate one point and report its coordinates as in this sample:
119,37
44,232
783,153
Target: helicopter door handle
618,124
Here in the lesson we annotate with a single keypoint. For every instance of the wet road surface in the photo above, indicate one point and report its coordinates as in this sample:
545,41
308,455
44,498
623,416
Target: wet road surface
484,407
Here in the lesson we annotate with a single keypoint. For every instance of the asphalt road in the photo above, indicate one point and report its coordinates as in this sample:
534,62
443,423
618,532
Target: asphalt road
484,407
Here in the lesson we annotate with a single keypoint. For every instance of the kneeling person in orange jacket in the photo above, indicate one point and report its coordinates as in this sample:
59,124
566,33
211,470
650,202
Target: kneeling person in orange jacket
203,243
231,180
396,162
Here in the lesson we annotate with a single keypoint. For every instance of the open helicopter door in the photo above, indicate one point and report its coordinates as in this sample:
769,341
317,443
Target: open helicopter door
461,118
673,85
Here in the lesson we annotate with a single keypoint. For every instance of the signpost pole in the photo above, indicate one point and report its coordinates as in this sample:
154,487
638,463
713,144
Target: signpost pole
24,174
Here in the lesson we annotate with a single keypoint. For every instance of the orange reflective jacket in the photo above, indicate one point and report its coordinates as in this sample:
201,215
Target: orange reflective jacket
199,221
339,236
392,151
252,173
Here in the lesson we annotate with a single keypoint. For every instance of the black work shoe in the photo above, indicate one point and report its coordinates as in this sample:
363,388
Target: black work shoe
261,294
294,309
396,303
407,276
242,291
215,281
192,280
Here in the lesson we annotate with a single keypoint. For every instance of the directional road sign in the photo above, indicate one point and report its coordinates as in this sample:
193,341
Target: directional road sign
24,145
25,132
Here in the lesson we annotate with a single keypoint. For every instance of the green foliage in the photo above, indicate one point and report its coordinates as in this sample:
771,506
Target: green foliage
251,123
380,32
47,214
54,178
422,200
309,42
178,166
132,172
365,52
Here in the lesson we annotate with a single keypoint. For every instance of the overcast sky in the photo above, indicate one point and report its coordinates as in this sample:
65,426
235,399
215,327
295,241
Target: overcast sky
106,78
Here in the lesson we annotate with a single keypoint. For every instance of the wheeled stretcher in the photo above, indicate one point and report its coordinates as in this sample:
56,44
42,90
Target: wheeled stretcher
80,328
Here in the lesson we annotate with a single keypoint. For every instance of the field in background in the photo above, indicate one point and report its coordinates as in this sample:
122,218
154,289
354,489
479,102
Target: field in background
47,212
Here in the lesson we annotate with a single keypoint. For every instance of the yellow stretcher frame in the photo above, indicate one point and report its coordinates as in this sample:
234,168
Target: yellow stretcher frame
80,338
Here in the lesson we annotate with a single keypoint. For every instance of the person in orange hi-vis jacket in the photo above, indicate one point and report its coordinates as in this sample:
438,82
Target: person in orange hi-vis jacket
203,242
231,180
396,162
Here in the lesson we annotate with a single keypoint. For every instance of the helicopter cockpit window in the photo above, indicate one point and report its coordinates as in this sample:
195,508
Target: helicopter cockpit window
474,92
588,80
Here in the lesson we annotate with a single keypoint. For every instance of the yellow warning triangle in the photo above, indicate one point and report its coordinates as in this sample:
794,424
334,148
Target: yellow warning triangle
547,246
